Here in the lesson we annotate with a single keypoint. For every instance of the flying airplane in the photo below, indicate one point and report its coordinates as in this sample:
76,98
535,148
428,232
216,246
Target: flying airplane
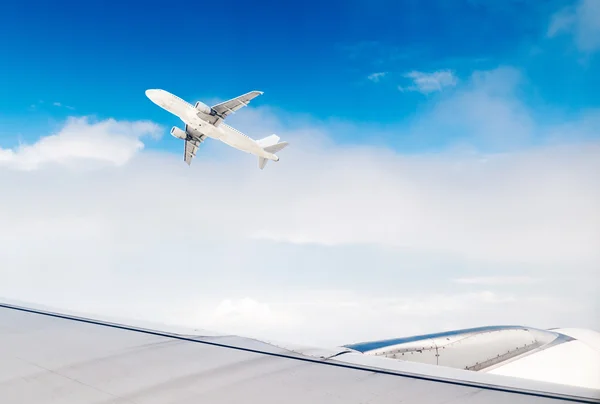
202,121
66,358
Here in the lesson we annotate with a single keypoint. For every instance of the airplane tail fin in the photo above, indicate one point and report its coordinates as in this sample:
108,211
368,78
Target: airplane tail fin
268,141
270,144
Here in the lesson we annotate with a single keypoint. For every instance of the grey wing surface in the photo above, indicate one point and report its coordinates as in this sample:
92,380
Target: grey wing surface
51,357
191,147
192,143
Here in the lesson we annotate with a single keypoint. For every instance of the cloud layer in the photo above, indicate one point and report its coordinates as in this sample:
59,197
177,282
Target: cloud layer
333,244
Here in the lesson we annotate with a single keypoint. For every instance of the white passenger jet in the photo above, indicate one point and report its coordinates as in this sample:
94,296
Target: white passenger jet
202,121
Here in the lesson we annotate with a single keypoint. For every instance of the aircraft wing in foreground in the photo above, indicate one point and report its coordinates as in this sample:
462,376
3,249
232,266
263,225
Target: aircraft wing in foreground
60,358
202,121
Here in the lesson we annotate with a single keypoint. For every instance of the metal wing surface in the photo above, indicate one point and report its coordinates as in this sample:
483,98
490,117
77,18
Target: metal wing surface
223,109
48,357
192,143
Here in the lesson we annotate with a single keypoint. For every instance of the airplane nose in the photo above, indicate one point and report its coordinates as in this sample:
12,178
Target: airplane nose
152,94
156,96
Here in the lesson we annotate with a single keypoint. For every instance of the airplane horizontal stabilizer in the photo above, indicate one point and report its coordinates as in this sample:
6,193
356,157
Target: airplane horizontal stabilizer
276,147
262,162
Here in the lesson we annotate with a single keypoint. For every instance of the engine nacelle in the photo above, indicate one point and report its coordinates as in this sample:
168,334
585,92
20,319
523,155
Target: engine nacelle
202,107
178,133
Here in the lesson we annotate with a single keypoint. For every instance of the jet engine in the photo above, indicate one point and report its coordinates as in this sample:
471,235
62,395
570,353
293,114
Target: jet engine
178,133
202,107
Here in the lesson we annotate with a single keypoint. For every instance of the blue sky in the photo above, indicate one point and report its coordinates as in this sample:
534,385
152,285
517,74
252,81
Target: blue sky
310,58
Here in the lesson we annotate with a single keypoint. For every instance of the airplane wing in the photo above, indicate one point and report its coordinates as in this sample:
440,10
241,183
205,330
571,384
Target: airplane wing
47,356
225,108
191,147
192,143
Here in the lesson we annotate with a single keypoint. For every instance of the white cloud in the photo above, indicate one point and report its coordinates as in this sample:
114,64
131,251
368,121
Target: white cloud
106,141
333,244
430,82
485,113
472,206
61,105
582,21
237,316
497,280
329,318
376,77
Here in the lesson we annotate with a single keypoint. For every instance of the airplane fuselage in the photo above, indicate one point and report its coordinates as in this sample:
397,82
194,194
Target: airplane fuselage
192,117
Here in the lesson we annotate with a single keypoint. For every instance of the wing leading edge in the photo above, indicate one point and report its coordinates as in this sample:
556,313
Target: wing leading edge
81,360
